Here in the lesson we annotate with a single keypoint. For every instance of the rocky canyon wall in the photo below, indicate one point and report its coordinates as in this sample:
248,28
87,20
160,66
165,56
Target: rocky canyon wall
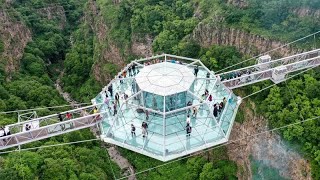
208,34
15,35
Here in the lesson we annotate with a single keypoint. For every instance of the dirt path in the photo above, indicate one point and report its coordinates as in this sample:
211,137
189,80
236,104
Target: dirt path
113,152
267,148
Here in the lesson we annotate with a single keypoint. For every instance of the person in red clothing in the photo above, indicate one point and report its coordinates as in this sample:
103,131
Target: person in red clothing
68,115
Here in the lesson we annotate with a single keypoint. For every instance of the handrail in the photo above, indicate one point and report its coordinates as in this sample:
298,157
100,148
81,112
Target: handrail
271,62
51,125
52,115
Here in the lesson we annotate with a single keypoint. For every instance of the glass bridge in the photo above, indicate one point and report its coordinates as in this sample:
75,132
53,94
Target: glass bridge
162,91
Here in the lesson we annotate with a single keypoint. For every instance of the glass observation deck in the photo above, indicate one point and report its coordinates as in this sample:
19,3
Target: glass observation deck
163,91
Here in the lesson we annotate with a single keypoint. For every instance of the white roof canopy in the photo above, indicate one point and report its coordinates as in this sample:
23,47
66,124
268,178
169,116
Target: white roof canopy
165,78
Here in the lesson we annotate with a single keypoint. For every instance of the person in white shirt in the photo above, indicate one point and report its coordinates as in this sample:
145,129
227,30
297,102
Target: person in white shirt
2,133
7,131
188,119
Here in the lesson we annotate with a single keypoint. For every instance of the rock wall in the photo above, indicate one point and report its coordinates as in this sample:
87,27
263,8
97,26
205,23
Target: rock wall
306,11
238,3
55,12
106,49
141,46
253,139
208,34
15,36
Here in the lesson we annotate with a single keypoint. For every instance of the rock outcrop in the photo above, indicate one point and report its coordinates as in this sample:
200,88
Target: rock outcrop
306,11
208,34
15,36
253,139
238,3
54,12
106,49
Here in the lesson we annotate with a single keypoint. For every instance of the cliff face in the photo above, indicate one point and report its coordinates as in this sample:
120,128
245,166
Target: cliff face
56,13
212,34
15,36
106,50
306,11
238,3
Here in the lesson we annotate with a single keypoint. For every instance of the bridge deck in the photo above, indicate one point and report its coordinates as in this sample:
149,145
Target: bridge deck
48,126
263,71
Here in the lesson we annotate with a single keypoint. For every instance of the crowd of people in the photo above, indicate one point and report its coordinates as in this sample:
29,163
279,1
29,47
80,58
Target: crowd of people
155,61
235,74
113,98
144,129
217,109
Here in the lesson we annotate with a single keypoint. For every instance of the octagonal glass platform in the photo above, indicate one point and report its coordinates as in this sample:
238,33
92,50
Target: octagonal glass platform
162,91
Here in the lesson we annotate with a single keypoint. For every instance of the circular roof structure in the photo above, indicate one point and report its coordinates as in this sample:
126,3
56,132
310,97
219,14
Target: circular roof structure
165,78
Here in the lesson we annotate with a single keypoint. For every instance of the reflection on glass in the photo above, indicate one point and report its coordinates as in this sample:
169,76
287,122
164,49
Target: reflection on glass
176,101
153,101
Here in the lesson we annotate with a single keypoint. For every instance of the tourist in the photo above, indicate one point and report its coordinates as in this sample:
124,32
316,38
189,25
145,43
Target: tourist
188,104
134,69
124,74
28,127
210,98
206,92
106,102
207,76
61,119
2,133
203,97
188,120
147,115
221,106
133,130
114,108
196,70
95,110
117,98
68,115
7,131
133,87
188,129
125,97
144,127
121,81
215,110
130,71
195,111
224,101
110,90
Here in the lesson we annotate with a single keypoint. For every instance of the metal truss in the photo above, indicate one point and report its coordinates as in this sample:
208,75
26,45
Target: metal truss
49,126
264,71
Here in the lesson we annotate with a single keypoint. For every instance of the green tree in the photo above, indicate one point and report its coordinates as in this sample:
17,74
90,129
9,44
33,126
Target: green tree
208,172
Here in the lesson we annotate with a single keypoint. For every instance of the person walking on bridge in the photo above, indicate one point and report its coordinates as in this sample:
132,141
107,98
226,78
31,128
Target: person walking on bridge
196,70
61,119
